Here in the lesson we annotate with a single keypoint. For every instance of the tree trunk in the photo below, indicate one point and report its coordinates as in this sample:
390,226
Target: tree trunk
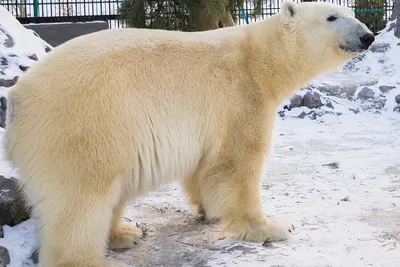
205,22
396,16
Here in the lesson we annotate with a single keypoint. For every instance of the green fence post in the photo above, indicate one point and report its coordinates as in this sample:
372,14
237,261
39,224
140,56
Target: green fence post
36,8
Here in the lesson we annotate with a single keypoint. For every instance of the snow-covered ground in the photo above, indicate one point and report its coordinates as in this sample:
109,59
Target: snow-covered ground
337,179
338,182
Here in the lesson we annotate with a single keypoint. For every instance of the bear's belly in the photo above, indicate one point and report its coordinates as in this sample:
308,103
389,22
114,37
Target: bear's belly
162,159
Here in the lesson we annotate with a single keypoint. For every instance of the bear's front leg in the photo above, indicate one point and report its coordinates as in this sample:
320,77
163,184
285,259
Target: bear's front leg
232,192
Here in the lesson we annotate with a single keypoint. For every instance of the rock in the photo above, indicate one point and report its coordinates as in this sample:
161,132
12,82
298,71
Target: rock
397,99
344,91
47,49
296,101
13,208
351,65
312,100
366,93
330,90
396,109
302,115
329,104
356,110
380,48
23,68
33,57
4,256
9,42
3,61
1,231
3,111
369,83
385,88
35,256
8,83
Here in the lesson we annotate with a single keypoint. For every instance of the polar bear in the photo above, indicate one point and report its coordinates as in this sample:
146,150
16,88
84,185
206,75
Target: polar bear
109,116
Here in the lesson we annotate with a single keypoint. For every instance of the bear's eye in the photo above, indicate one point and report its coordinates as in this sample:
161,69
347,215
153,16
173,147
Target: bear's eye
332,18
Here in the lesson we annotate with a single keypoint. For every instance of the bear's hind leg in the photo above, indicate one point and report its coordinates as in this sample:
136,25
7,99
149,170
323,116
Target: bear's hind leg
73,223
232,192
122,235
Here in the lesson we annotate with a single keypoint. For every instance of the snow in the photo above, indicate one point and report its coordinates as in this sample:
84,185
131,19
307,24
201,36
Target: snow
336,179
25,44
298,187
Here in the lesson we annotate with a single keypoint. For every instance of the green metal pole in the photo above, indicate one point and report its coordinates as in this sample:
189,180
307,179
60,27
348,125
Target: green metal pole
36,8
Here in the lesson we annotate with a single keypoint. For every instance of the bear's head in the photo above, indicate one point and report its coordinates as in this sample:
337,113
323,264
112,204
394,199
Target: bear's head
325,35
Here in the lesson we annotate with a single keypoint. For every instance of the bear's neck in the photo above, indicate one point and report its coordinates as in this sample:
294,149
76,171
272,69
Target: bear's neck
276,62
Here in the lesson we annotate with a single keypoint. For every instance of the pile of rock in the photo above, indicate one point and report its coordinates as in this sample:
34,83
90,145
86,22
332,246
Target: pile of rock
20,48
13,210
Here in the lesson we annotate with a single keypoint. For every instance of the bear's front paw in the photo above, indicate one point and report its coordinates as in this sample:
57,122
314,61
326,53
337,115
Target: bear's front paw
278,230
264,230
125,236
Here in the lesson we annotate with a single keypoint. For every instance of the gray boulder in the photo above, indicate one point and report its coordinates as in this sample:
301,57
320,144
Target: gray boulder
366,93
379,47
312,100
296,101
1,231
385,88
7,82
397,99
35,256
3,111
9,41
13,207
4,256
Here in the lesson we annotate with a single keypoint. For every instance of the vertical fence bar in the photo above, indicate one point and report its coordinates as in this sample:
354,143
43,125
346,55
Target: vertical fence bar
35,8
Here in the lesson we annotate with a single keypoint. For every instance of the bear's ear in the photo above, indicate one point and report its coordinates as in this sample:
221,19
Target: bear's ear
288,11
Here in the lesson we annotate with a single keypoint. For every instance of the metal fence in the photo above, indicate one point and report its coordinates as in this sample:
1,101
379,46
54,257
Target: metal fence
374,13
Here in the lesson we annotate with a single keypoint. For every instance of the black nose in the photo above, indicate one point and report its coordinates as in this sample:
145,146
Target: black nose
367,40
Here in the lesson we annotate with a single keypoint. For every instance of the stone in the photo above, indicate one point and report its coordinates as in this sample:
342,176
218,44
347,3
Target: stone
3,61
3,111
8,83
379,48
302,115
33,57
370,83
366,93
397,99
47,49
355,110
23,68
386,88
4,256
35,256
312,100
330,90
13,207
9,41
1,231
296,101
329,104
350,91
